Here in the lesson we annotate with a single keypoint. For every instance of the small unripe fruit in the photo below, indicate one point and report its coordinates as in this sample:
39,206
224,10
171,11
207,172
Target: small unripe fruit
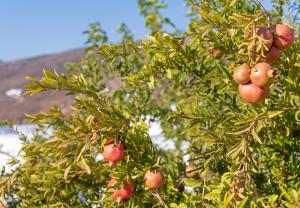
284,36
217,53
241,74
253,94
247,33
113,153
266,35
96,121
154,180
262,75
272,55
190,171
112,182
123,193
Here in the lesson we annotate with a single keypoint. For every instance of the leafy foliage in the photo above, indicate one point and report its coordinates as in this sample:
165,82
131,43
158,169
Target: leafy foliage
246,155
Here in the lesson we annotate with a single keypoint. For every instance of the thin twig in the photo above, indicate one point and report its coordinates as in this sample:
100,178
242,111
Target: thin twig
259,4
158,196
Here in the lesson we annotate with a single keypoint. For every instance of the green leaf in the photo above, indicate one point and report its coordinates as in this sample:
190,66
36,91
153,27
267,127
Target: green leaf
192,182
67,170
215,194
272,114
233,3
84,166
255,136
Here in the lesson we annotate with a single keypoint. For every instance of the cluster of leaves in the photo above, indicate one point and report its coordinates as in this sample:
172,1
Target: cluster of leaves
247,156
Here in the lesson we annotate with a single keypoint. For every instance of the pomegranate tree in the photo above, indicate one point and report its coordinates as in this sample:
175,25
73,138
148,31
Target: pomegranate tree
165,101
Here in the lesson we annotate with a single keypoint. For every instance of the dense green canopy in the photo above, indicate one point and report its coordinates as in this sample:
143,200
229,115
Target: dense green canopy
246,155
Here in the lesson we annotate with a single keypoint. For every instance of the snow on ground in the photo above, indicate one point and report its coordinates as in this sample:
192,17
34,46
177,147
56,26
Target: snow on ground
10,142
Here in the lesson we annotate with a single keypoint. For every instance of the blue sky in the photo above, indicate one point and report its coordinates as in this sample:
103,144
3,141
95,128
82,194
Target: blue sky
35,27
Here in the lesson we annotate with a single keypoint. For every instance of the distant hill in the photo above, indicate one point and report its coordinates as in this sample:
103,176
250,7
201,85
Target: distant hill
12,79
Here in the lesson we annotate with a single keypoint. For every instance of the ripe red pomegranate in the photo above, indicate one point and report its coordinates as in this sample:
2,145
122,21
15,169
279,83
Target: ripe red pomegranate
262,75
253,94
154,180
284,36
190,171
265,34
241,74
113,153
123,193
216,53
272,55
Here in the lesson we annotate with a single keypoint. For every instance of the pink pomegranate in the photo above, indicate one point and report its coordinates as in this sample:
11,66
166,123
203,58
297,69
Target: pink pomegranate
253,94
113,153
123,193
284,36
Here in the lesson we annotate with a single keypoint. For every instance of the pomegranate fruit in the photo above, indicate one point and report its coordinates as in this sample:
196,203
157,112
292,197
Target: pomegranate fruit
262,74
266,35
113,153
241,74
123,193
112,182
96,121
190,171
154,180
253,94
272,55
247,33
284,36
216,53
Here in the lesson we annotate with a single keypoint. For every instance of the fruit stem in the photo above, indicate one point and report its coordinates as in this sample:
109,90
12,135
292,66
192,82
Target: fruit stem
259,4
111,163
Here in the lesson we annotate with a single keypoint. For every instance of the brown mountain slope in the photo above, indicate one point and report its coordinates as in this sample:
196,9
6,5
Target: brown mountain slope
12,76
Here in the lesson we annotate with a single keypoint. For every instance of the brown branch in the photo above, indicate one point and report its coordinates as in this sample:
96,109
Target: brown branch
158,196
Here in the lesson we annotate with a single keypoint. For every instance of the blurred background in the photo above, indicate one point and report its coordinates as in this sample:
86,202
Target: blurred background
40,35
